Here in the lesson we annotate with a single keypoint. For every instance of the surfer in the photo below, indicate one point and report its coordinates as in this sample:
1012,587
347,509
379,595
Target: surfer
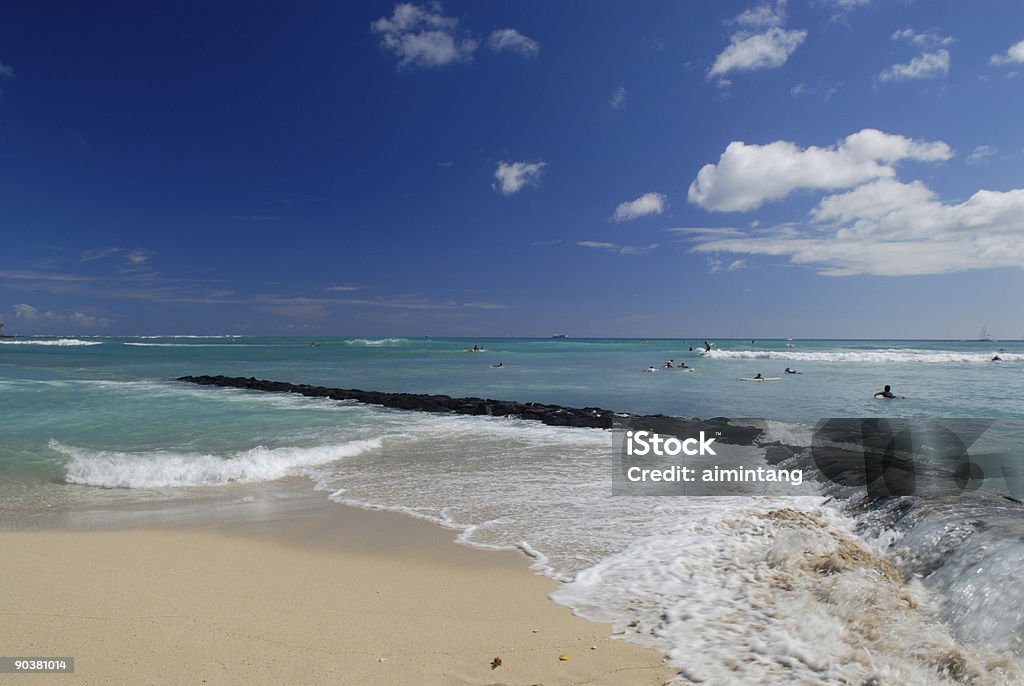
758,377
500,365
682,365
885,393
651,369
996,358
791,371
669,364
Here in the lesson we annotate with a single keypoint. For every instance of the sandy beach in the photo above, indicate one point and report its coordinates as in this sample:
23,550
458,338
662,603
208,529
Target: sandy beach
320,593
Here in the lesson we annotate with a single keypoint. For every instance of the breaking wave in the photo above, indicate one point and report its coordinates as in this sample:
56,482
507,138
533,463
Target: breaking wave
159,469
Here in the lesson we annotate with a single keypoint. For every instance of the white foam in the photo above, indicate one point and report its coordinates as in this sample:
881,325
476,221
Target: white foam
374,341
863,356
778,593
160,469
198,345
58,342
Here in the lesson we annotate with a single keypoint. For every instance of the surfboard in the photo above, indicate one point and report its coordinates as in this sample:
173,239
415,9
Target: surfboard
766,378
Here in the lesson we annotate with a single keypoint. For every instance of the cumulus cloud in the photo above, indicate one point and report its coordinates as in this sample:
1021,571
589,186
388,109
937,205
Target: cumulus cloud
25,311
928,65
646,204
29,313
760,42
423,37
514,176
887,227
1015,55
510,40
932,63
747,176
618,99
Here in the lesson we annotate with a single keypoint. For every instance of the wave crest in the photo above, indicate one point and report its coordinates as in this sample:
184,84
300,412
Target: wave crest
874,356
112,469
374,341
59,342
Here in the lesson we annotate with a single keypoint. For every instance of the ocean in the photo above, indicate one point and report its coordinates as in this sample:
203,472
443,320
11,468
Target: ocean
831,586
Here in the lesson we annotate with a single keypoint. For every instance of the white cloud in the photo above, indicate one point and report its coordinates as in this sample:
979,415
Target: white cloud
1015,55
822,92
510,40
647,204
620,249
759,43
768,50
737,264
932,63
6,71
926,41
25,311
981,154
761,17
887,227
49,317
928,65
618,99
133,258
514,176
423,37
747,176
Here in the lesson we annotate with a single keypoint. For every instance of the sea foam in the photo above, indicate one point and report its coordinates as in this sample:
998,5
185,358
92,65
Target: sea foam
864,356
159,469
58,342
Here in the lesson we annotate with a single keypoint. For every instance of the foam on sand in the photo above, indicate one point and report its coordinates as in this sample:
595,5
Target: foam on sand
777,596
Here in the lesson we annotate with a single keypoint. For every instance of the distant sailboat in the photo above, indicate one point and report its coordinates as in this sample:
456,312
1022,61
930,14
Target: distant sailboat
984,335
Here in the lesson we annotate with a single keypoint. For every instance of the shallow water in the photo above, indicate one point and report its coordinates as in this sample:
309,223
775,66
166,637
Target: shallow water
823,587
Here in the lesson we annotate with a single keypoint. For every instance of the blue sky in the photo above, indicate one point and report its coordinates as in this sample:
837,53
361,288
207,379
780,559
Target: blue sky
811,168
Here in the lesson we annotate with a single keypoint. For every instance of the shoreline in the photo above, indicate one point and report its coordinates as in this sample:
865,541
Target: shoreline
291,590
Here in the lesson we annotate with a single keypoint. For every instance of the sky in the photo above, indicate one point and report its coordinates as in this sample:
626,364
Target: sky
810,168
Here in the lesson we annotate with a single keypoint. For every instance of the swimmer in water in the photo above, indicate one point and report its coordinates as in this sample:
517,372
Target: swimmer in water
885,393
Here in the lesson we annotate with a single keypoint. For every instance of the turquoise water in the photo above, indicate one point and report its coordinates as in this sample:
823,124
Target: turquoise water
116,394
93,422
